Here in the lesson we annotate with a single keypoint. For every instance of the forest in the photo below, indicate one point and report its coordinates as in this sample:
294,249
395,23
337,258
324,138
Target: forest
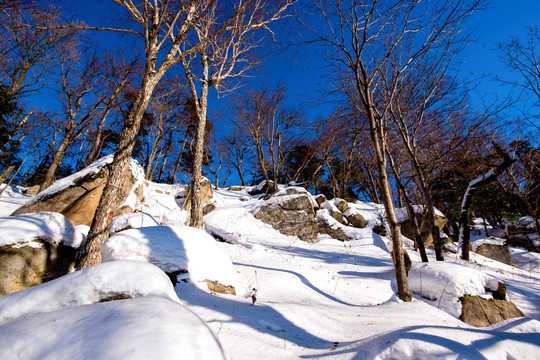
402,129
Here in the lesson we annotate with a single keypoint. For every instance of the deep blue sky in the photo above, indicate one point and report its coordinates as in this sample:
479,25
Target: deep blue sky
303,72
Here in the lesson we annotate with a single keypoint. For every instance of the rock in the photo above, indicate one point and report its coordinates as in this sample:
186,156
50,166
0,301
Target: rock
500,293
208,208
336,233
355,219
79,200
334,212
220,288
480,312
291,215
206,194
496,252
379,230
262,188
27,266
407,228
236,188
33,190
320,199
342,205
524,235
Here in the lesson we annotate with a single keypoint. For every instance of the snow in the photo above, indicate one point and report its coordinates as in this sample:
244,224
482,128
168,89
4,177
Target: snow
174,249
61,319
162,203
133,220
88,286
23,230
64,183
330,299
12,198
446,282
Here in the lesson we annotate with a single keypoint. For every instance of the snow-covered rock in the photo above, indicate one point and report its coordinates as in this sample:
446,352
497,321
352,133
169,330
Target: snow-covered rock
445,282
175,250
61,320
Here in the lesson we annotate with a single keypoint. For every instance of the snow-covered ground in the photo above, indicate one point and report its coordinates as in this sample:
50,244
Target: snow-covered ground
330,299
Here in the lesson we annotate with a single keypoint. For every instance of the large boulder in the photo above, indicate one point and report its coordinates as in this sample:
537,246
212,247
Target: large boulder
35,248
355,218
334,211
523,234
407,227
480,312
77,196
291,213
27,266
496,252
206,194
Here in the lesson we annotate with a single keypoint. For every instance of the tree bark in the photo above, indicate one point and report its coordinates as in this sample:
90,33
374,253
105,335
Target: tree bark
113,196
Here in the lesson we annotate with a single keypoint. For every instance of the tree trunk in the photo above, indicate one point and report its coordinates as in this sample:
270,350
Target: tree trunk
377,140
410,211
6,173
196,211
58,158
113,196
95,149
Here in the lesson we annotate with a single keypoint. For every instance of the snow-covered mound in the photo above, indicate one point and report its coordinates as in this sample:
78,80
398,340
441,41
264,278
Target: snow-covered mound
162,201
59,320
131,221
446,282
174,249
88,286
22,230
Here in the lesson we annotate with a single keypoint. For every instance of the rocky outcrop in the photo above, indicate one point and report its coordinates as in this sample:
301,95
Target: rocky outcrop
480,312
320,199
407,228
523,234
27,266
206,194
291,213
496,252
355,218
78,200
335,232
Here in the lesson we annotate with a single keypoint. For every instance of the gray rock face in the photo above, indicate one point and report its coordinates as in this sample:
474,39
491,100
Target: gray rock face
485,312
356,220
78,202
26,266
291,215
336,233
496,252
407,228
206,194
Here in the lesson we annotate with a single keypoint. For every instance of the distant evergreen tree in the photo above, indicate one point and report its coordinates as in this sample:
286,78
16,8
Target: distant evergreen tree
9,144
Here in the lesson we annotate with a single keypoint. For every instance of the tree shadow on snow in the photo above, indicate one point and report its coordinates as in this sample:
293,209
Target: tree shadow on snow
444,343
260,317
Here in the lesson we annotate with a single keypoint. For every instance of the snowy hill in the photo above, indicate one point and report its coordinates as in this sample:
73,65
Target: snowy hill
329,299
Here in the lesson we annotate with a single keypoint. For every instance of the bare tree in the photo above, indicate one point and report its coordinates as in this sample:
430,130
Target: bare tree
523,58
236,153
208,32
27,54
262,117
80,80
118,74
362,38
